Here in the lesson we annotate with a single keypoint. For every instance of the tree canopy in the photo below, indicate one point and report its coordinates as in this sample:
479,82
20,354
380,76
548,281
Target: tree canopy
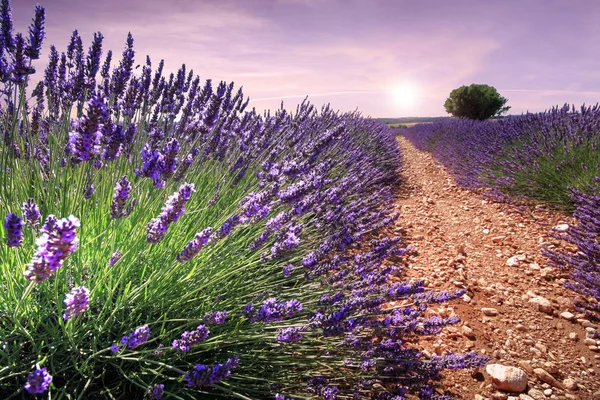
476,101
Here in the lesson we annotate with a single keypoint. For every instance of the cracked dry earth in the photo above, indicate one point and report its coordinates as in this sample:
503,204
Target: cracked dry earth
515,309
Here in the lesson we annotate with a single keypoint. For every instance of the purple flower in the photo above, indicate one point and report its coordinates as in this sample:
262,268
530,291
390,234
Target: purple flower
157,391
153,161
57,242
38,381
190,338
36,34
21,66
204,376
116,256
215,318
117,207
194,246
32,212
89,191
138,337
77,302
13,225
170,151
114,348
293,334
271,311
287,269
84,142
173,209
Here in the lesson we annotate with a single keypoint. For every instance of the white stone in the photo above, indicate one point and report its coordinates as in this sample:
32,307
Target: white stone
513,261
542,304
490,312
567,315
561,228
510,379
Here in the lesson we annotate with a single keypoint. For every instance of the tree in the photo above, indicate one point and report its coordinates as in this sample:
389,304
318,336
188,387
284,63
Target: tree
476,102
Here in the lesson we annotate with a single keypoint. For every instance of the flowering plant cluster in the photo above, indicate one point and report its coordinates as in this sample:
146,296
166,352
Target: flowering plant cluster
208,251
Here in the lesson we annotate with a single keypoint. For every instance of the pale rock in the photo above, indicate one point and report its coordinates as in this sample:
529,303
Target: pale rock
573,336
548,392
468,332
513,261
567,315
544,376
499,396
570,384
510,379
490,312
521,328
534,266
536,394
498,239
561,228
542,304
526,365
523,396
551,367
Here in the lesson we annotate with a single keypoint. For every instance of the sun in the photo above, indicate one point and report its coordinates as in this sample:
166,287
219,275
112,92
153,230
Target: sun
405,94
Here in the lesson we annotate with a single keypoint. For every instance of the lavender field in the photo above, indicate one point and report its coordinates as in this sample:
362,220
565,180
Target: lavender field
162,240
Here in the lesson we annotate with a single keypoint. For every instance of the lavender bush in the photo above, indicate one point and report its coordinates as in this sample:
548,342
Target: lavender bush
192,248
539,156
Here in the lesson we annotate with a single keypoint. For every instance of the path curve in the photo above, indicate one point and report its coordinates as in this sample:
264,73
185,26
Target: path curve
463,241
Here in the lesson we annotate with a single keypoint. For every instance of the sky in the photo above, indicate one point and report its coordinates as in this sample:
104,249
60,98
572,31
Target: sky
385,58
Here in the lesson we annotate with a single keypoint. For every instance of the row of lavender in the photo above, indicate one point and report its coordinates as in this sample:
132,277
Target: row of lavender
551,157
168,242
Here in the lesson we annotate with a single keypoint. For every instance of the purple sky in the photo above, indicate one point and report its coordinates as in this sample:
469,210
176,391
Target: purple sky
354,53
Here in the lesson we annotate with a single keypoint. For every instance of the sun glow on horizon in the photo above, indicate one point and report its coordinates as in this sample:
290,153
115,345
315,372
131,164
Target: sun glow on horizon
405,95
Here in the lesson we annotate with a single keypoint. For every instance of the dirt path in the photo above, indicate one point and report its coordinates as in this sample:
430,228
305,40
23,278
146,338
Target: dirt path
465,242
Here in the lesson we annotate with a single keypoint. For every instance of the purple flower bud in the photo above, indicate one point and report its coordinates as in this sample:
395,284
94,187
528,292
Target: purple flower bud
173,209
84,142
117,207
13,225
156,392
32,212
215,318
56,243
194,246
77,302
204,376
138,337
116,256
38,381
190,338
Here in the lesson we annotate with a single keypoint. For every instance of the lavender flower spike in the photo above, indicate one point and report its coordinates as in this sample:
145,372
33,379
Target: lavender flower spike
32,212
77,302
194,246
117,207
116,256
13,225
138,337
38,381
190,338
156,392
57,242
205,375
84,142
173,209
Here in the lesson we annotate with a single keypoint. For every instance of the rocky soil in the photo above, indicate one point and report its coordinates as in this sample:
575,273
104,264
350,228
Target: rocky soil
515,309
